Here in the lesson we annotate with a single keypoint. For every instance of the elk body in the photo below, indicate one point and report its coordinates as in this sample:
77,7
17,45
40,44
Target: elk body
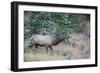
46,40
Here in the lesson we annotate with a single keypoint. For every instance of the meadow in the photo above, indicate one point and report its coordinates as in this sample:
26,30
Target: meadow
75,28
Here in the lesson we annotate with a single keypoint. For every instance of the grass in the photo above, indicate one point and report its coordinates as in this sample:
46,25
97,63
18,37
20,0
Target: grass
68,55
79,50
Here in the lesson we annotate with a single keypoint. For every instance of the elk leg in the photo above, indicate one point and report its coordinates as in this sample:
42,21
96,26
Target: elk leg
51,49
46,49
36,45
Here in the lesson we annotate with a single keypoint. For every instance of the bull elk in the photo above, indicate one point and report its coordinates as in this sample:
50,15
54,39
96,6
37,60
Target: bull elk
46,40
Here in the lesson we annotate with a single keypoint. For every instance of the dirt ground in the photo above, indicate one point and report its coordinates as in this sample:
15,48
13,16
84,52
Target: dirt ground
79,48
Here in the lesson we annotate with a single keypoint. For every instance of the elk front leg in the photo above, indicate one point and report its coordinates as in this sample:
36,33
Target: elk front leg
36,45
51,49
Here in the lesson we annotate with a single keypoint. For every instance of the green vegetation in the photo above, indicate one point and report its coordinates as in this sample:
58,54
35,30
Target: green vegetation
52,22
68,55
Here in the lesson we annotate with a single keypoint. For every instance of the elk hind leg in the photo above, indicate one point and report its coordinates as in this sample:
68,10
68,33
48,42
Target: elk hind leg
46,49
52,52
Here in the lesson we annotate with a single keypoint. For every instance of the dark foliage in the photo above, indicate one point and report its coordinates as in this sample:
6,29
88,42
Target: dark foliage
53,22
